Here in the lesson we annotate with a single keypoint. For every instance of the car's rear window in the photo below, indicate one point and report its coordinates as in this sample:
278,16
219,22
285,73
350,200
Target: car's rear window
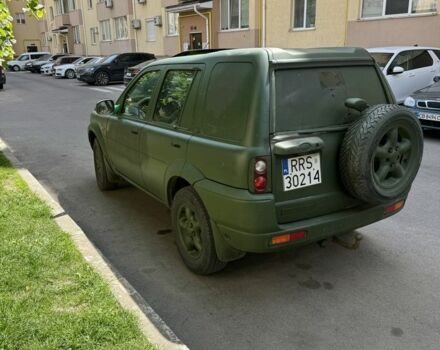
315,97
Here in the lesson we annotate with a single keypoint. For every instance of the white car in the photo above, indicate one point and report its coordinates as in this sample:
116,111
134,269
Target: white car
46,69
20,62
68,70
407,68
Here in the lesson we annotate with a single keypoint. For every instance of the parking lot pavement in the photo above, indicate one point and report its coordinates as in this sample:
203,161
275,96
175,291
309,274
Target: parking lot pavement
382,296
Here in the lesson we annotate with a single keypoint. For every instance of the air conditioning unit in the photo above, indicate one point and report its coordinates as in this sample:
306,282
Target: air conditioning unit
142,1
136,24
108,3
157,21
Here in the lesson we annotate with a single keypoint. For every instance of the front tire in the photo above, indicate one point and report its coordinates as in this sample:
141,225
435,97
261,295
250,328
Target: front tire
15,68
103,173
102,78
194,237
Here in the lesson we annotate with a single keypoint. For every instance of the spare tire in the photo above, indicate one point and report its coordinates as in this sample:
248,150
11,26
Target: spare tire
381,154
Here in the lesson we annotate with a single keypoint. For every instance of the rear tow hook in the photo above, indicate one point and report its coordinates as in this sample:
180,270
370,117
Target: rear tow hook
354,244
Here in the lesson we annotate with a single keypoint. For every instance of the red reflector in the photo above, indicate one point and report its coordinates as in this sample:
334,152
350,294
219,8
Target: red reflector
288,237
260,183
394,207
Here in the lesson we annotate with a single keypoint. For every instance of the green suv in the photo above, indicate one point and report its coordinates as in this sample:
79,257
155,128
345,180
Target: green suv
258,150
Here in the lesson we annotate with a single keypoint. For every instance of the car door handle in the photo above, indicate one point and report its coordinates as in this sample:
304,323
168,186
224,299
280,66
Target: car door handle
134,132
176,145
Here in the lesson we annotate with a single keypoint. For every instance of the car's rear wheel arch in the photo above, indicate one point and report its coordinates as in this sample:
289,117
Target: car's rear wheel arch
175,184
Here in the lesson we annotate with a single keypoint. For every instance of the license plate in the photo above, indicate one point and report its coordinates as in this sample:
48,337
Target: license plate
429,116
301,171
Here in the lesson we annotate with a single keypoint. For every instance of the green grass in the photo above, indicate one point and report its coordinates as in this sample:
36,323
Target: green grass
50,298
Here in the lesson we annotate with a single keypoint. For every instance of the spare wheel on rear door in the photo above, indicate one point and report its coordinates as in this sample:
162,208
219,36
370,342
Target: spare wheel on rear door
381,154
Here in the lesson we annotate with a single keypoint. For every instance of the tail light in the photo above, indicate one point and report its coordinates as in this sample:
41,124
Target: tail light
288,237
260,175
394,207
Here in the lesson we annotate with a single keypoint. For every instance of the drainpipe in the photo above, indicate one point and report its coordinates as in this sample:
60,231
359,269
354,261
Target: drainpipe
263,24
135,30
207,25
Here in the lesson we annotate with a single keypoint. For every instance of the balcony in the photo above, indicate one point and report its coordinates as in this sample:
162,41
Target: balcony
75,18
42,26
62,20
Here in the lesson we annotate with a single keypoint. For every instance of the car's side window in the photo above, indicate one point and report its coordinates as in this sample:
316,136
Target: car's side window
172,96
125,58
137,100
24,58
413,59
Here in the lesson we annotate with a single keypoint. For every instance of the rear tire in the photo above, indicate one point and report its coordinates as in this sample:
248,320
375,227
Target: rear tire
70,74
1,86
193,232
103,173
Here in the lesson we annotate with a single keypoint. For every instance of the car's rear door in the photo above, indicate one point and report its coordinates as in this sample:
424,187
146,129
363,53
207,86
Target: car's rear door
165,137
309,122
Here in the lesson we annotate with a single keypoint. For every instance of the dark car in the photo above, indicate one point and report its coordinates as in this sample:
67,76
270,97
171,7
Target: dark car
2,77
131,72
259,150
35,66
111,68
426,105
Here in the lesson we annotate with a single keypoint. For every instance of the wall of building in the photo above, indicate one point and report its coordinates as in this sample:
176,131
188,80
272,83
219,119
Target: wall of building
90,20
330,25
249,37
389,31
143,12
27,34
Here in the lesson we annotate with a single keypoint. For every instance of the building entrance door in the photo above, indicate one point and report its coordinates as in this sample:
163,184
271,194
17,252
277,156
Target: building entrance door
195,41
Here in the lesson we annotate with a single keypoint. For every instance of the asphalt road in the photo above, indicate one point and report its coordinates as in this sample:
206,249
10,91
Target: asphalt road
385,295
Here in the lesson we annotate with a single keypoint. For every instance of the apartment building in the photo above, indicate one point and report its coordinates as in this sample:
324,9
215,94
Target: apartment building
26,28
306,23
374,23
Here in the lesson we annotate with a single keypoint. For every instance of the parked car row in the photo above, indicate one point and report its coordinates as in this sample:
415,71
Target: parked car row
90,69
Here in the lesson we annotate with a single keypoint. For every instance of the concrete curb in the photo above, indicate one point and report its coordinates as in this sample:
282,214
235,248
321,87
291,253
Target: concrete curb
150,323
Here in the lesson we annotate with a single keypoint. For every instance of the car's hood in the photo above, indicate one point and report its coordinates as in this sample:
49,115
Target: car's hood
13,62
431,92
39,63
47,65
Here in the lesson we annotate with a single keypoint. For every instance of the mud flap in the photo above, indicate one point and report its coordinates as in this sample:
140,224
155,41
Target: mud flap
224,251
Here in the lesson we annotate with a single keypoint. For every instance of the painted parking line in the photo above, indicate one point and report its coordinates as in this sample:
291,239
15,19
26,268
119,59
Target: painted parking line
100,90
115,88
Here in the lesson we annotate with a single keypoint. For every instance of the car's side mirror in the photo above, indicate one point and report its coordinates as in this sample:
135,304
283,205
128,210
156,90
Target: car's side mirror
397,70
105,107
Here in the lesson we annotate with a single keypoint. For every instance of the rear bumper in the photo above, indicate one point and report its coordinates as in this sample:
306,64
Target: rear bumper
247,222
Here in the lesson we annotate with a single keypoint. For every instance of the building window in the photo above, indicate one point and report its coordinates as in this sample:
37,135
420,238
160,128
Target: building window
106,31
234,14
304,14
94,35
381,8
64,6
90,3
151,30
51,13
76,35
172,23
121,30
20,18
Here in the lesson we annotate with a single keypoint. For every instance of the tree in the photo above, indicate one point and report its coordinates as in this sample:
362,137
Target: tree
6,32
